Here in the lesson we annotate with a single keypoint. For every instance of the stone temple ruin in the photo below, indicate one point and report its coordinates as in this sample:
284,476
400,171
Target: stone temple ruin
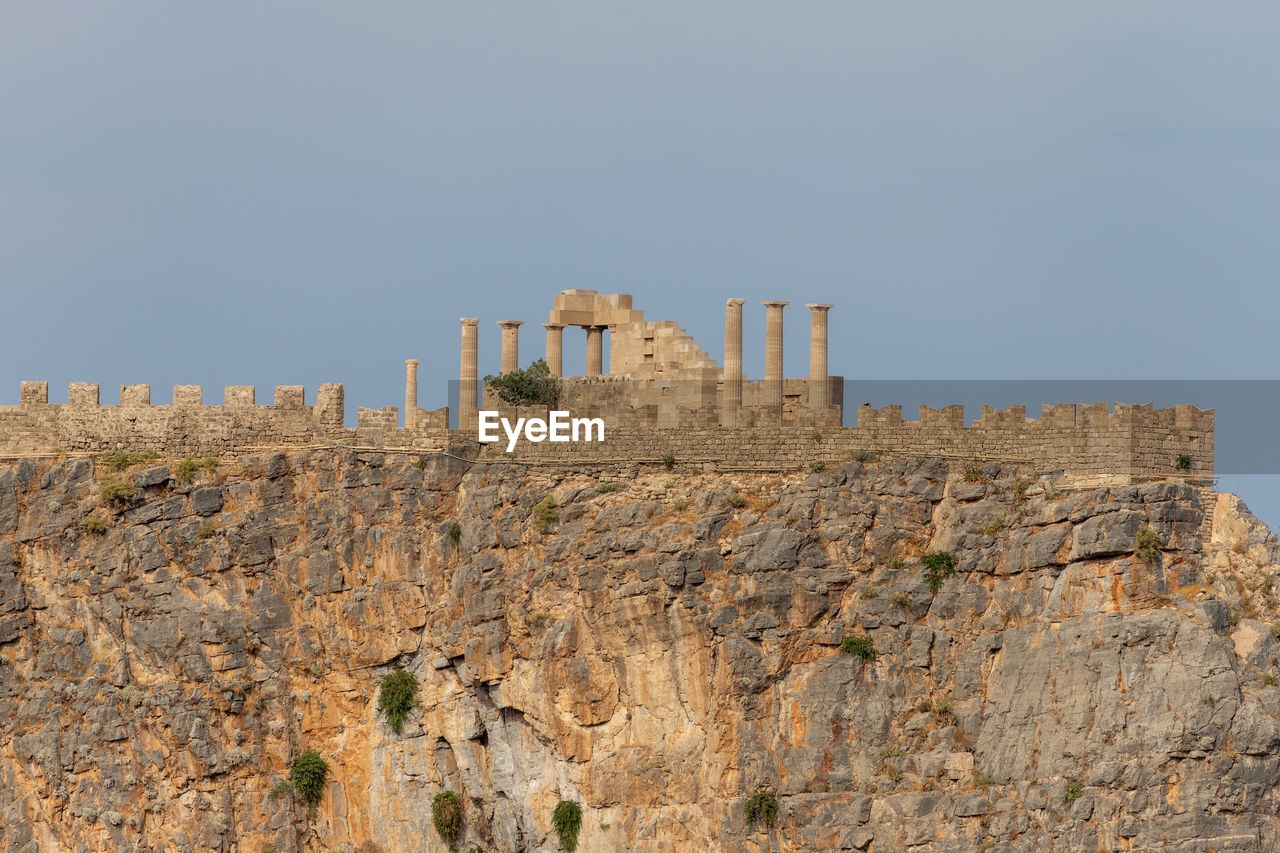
658,376
663,398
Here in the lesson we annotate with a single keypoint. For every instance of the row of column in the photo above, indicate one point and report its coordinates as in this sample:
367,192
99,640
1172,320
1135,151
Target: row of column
731,401
819,388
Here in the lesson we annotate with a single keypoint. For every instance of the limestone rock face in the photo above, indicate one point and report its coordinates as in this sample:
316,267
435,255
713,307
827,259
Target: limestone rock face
656,651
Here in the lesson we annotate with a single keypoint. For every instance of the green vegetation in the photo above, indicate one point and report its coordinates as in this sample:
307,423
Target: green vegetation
973,474
533,386
208,530
669,462
605,488
567,820
422,463
397,696
860,646
761,807
735,500
209,463
816,467
446,814
1183,462
896,563
980,779
307,777
944,712
992,527
1147,543
1020,489
902,599
118,493
860,455
546,512
187,469
93,524
680,504
455,534
938,566
1072,793
123,459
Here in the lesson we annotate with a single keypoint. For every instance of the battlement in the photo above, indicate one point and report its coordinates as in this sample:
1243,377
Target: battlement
186,425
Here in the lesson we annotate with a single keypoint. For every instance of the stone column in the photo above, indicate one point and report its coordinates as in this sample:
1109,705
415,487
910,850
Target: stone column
467,403
555,348
731,398
819,387
510,345
773,357
410,393
595,350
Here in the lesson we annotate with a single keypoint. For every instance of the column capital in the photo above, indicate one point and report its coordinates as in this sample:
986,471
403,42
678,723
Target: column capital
510,324
553,325
774,303
735,302
818,306
411,362
469,321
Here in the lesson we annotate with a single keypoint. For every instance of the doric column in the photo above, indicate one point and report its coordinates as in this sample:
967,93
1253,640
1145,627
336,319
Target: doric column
731,398
595,350
467,403
510,345
818,385
773,356
555,348
410,393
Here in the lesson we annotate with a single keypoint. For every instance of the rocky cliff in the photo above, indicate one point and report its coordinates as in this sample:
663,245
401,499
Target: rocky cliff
1098,673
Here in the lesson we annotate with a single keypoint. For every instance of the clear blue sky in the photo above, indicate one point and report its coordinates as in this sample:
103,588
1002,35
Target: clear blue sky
248,193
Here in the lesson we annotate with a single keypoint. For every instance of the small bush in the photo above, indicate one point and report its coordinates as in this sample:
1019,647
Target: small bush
1183,462
93,524
992,527
761,807
735,500
944,712
938,566
396,697
605,488
860,455
118,493
1020,489
902,599
446,814
455,534
308,775
422,463
680,504
1147,543
123,459
973,475
533,386
868,592
896,563
208,530
816,467
1072,793
567,820
668,462
546,512
187,469
209,463
859,646
980,779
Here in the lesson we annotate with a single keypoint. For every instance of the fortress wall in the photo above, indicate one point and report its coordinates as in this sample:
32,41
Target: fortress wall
184,427
1090,443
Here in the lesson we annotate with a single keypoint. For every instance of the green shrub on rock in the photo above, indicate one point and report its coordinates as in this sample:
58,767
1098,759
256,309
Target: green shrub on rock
567,820
761,807
446,814
397,696
308,776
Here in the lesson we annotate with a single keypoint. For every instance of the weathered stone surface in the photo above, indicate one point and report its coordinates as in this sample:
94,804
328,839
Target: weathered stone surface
655,664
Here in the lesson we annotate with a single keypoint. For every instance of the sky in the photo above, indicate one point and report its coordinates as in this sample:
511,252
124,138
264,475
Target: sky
299,193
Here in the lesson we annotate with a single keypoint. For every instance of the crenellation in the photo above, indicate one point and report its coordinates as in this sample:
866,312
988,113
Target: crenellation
34,394
188,395
290,397
82,394
135,395
239,395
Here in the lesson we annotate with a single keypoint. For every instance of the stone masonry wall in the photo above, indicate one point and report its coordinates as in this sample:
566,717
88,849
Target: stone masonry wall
1089,443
